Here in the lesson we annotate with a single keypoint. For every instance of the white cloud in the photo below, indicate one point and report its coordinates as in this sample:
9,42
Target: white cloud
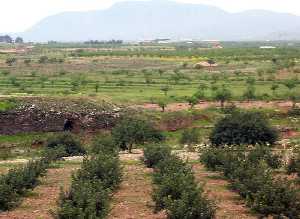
18,15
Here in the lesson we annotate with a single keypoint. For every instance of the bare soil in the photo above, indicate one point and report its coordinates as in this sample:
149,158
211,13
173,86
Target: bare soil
133,199
290,134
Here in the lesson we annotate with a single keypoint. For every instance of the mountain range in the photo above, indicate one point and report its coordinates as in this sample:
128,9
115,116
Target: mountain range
141,20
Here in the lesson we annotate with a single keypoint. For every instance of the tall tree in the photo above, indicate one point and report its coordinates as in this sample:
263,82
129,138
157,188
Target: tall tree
131,131
6,39
19,40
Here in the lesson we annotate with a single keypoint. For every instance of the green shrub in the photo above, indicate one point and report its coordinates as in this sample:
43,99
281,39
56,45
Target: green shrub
177,192
212,158
248,179
7,105
250,93
102,167
24,178
190,136
171,187
168,166
294,111
294,164
5,72
251,177
91,188
17,181
85,199
67,140
243,128
154,153
265,195
191,205
27,61
231,162
8,197
55,153
277,197
10,61
104,144
261,152
230,109
222,95
43,59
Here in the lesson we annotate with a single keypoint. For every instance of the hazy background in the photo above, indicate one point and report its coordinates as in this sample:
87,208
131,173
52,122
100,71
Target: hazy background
19,15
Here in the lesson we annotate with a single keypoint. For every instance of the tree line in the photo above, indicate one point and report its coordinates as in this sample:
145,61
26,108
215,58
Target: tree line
9,39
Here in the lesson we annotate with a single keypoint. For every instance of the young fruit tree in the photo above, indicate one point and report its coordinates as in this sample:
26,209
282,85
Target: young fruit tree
131,131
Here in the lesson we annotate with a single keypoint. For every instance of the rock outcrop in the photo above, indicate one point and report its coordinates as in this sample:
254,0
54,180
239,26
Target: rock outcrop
51,116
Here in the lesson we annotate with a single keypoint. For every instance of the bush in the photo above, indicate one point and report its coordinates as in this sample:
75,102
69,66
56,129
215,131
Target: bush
294,111
91,188
277,197
294,164
5,72
85,199
10,61
104,144
43,59
252,178
24,178
190,136
243,128
177,192
8,197
17,181
212,158
153,154
248,178
101,167
67,140
191,205
230,109
55,153
27,61
266,195
7,105
168,166
264,153
171,187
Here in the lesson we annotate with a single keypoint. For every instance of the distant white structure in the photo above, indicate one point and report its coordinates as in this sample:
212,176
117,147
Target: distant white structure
267,47
210,40
163,41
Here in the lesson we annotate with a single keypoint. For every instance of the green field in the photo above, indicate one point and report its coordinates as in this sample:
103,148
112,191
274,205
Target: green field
139,74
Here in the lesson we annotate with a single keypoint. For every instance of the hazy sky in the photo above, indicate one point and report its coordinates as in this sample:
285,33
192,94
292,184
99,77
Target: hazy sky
18,15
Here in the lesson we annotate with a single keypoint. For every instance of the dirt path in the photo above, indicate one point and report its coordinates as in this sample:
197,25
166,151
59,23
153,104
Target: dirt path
173,107
133,199
44,197
230,205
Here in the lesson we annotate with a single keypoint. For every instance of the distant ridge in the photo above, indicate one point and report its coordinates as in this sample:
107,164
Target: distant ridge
165,19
